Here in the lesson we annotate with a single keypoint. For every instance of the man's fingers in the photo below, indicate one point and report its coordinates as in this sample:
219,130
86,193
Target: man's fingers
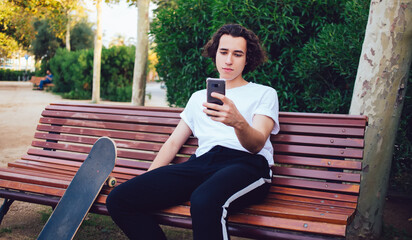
219,96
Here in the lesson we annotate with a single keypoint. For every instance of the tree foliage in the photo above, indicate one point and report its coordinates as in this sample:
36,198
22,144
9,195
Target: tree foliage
82,36
300,37
45,43
73,73
17,18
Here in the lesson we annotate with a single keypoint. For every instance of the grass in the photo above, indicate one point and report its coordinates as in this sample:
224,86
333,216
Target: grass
97,226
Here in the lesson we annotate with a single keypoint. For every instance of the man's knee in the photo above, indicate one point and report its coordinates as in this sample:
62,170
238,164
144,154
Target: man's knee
201,205
112,201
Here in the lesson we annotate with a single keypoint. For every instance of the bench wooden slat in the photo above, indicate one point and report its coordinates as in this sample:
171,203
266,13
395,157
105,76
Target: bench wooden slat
58,183
279,211
113,111
311,207
31,188
108,125
52,191
318,174
318,185
81,157
37,166
327,141
316,151
108,117
314,194
283,223
318,162
315,201
40,155
26,172
109,133
322,130
125,173
148,146
127,107
321,120
86,149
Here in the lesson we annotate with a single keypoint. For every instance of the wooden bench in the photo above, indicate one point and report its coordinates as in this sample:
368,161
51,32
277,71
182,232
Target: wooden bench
315,183
36,82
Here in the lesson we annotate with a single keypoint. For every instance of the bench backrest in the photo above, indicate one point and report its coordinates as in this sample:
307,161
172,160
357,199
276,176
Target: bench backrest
315,154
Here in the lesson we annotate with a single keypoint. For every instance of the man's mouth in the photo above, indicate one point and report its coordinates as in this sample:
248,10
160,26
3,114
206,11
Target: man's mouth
227,69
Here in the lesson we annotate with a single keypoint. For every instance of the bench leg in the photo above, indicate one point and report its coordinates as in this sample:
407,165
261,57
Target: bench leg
5,208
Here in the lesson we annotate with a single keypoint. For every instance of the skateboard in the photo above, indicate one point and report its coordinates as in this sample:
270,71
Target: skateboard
82,191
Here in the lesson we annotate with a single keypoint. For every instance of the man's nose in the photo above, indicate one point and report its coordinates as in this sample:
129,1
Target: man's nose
229,59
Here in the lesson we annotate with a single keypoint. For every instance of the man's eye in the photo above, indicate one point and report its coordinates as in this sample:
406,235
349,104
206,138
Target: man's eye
223,52
238,54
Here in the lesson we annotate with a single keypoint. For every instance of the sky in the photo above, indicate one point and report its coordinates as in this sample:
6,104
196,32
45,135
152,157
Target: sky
117,19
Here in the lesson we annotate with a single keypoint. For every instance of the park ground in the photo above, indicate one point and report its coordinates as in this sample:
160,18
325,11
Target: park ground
20,109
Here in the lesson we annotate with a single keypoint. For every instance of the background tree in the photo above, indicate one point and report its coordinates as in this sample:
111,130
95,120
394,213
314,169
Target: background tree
142,48
97,55
81,36
8,44
46,43
379,93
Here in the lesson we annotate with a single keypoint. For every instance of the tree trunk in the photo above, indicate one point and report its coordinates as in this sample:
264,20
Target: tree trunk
379,94
68,32
97,55
142,48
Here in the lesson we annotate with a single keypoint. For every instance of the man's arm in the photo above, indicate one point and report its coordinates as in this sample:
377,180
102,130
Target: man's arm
253,137
169,149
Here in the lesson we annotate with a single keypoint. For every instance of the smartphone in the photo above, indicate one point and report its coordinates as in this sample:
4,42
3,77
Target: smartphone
215,85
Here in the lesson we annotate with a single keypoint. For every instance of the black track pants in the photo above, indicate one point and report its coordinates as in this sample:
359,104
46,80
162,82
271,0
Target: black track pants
219,181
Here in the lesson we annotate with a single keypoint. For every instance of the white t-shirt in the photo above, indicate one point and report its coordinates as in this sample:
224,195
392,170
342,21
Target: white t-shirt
250,99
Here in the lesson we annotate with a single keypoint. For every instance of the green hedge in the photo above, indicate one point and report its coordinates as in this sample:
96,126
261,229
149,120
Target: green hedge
313,49
179,36
11,75
73,73
312,46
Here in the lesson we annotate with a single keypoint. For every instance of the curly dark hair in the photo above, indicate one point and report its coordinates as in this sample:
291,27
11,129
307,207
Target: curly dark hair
255,55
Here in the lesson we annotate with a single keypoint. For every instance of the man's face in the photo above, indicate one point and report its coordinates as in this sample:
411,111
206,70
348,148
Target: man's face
231,57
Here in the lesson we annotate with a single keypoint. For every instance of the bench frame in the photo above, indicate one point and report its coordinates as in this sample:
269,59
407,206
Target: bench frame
315,184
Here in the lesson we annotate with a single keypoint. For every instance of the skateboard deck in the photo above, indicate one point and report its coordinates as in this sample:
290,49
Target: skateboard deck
82,192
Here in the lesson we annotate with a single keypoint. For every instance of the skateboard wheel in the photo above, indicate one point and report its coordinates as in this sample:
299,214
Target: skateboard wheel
111,181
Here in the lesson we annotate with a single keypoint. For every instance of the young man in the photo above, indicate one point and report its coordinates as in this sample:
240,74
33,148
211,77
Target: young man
231,167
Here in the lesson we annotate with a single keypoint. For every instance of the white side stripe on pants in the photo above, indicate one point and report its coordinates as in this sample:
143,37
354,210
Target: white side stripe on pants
235,196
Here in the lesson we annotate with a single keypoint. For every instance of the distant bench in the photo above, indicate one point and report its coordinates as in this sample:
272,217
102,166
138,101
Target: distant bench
36,82
315,184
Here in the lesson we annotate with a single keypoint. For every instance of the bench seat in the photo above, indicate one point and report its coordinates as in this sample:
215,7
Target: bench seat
36,82
315,184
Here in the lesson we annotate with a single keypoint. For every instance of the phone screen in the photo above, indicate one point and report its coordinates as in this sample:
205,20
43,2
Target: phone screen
215,85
